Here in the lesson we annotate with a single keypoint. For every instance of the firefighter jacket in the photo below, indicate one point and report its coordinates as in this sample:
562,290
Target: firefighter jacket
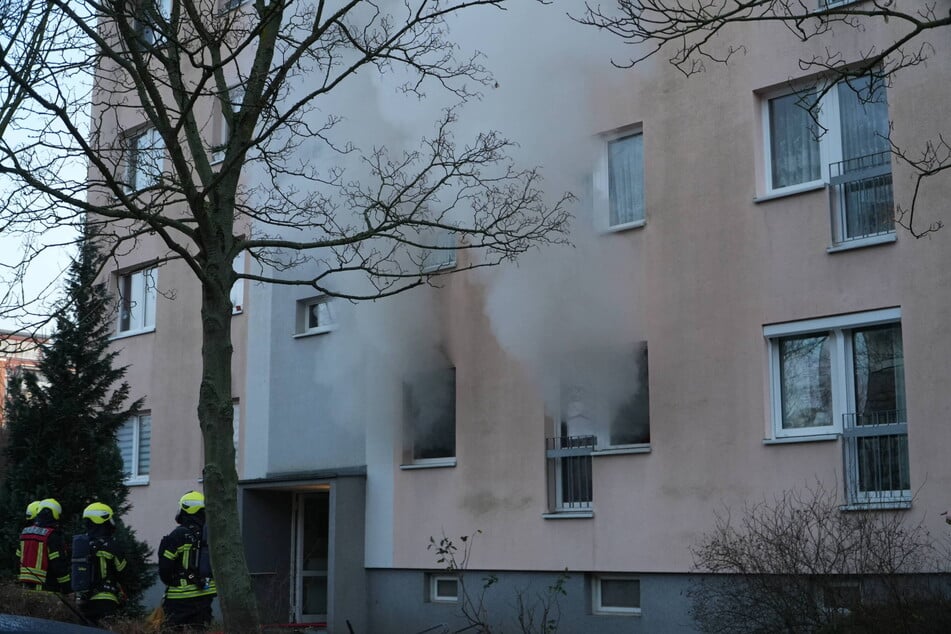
44,557
178,563
108,566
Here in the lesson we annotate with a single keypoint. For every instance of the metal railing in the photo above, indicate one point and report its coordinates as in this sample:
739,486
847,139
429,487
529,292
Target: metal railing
863,203
569,472
875,457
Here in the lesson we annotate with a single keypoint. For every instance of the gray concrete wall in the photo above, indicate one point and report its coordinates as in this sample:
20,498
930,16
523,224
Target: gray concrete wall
266,524
399,604
348,591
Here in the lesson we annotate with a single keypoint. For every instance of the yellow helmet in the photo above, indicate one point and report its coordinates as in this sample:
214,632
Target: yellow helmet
52,505
192,502
99,513
32,509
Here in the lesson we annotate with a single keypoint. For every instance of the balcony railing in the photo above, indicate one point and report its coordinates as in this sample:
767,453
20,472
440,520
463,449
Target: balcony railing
862,200
875,455
569,472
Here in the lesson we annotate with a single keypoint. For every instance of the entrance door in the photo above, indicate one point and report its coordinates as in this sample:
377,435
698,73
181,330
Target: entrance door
312,529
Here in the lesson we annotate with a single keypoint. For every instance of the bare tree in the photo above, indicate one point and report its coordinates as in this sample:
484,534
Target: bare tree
694,32
213,131
798,563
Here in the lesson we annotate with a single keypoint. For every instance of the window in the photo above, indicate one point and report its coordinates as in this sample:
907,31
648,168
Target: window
616,595
137,301
630,422
839,595
444,256
619,180
840,138
145,152
235,98
237,289
429,410
443,589
151,22
845,375
315,316
606,394
236,430
134,438
570,479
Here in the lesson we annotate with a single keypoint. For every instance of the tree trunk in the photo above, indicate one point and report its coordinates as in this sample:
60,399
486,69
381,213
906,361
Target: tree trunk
216,416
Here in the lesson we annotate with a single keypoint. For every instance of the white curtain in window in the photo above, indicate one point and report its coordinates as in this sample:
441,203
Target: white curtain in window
626,179
145,445
125,438
863,113
794,144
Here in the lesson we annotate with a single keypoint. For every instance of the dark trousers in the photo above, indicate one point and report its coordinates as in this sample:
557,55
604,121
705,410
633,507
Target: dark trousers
96,611
195,611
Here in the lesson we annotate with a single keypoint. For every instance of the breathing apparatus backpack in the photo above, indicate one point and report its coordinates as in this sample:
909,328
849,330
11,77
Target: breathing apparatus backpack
204,554
83,564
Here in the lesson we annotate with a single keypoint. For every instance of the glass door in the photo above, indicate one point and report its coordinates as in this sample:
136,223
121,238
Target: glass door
311,556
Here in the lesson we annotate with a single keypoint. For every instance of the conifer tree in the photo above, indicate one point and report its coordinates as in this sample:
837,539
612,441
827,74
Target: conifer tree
62,425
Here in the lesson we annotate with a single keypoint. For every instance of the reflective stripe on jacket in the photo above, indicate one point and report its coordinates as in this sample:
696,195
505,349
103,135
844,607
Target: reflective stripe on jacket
34,556
178,565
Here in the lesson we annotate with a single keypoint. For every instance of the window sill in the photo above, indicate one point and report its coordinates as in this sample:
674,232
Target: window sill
429,463
138,481
618,612
627,226
832,6
436,268
788,440
314,332
790,191
887,238
622,450
568,515
228,7
132,333
877,506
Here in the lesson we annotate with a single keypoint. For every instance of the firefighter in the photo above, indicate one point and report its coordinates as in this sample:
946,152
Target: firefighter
43,555
184,567
98,570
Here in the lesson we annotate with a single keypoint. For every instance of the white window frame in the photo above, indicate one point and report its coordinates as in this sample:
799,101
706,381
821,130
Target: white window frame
830,143
237,289
146,27
231,5
434,595
830,139
596,603
303,315
148,297
839,328
440,259
140,158
601,186
135,478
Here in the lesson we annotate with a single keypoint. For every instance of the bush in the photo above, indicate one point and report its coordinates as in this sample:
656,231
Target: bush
799,563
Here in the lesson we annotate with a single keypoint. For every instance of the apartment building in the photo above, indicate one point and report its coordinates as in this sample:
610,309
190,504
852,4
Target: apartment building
18,353
739,315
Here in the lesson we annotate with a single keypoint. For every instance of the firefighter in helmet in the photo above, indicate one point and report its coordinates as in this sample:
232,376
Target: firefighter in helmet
31,510
100,592
184,566
43,555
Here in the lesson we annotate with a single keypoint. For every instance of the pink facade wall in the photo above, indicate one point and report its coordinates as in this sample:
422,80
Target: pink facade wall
707,272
